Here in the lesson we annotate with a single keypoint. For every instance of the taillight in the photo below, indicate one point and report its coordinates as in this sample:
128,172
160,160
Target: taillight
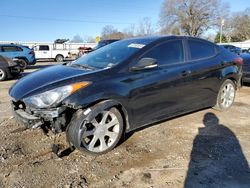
238,61
32,52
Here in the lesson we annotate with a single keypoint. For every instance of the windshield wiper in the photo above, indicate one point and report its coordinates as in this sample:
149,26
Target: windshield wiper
83,66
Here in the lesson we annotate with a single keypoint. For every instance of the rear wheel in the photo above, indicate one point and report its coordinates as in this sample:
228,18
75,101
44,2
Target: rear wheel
59,58
99,134
226,95
3,74
23,63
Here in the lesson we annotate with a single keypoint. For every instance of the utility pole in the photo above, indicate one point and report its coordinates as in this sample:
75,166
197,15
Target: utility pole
221,26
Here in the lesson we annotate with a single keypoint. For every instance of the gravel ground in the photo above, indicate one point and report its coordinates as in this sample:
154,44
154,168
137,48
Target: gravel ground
202,149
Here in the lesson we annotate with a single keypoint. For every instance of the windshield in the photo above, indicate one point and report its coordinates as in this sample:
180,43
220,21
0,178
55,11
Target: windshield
113,54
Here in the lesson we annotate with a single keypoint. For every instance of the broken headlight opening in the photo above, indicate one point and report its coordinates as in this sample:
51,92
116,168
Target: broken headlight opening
53,97
44,108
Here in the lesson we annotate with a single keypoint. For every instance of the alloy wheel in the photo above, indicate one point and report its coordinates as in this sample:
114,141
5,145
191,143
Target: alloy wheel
227,95
101,133
2,74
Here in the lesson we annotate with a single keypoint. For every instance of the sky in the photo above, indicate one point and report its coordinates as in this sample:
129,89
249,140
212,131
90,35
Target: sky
47,20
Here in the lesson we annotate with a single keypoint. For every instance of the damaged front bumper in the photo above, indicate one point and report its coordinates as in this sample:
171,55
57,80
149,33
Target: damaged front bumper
36,117
28,120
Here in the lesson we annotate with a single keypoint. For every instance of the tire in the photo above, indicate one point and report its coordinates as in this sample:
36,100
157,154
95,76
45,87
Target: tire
226,96
3,74
59,58
23,63
94,133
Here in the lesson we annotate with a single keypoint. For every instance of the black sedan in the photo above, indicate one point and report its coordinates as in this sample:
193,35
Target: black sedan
246,60
126,85
246,67
9,68
103,43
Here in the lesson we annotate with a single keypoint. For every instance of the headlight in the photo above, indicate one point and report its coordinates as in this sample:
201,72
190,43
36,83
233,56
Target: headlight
54,96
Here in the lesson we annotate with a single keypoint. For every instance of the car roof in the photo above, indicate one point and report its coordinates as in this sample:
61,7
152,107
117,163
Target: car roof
107,40
147,39
155,37
12,45
16,45
165,37
227,45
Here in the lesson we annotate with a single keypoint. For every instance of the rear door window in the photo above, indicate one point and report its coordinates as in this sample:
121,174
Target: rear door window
201,49
167,53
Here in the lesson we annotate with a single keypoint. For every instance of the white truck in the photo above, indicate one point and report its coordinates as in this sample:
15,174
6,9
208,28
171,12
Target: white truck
51,52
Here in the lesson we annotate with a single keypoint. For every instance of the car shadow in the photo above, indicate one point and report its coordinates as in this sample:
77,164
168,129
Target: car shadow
216,159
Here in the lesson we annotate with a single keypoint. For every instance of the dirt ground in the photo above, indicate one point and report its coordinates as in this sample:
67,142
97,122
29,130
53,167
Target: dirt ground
202,149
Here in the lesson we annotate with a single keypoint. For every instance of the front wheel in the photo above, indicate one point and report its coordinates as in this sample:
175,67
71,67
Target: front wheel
99,134
226,96
3,74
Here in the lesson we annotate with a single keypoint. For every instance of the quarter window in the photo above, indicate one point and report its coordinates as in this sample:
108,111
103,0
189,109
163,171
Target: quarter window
200,50
19,49
167,53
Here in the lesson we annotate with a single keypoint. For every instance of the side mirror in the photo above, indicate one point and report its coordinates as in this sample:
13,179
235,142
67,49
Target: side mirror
145,63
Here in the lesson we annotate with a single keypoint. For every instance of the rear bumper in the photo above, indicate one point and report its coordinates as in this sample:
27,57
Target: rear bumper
32,62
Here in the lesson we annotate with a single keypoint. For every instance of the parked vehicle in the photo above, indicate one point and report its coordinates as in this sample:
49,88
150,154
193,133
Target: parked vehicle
246,50
85,50
104,43
25,55
50,52
232,48
246,67
126,85
246,63
9,68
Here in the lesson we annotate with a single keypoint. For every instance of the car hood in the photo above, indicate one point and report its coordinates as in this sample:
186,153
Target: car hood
47,79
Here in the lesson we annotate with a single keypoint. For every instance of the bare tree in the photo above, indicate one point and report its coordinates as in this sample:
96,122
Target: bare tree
145,27
109,32
237,26
130,31
88,39
191,17
77,39
240,25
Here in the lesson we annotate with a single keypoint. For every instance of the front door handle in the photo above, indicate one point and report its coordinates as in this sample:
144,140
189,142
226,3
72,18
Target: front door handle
186,72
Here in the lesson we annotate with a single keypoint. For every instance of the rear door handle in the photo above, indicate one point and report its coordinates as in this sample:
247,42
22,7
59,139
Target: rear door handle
186,72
